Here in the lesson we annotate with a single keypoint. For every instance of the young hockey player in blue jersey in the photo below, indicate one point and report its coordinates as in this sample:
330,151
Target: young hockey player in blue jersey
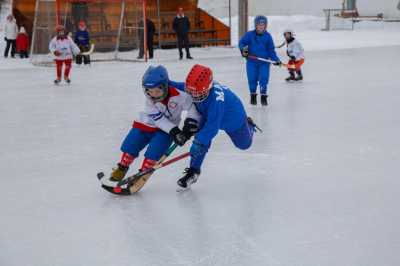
258,43
220,109
82,39
157,127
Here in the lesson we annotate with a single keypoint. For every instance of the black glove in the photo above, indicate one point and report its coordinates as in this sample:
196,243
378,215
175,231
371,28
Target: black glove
277,63
178,136
5,38
245,51
84,48
293,57
190,127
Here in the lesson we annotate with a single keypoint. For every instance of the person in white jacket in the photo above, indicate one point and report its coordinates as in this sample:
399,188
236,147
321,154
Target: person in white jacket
295,52
63,48
10,35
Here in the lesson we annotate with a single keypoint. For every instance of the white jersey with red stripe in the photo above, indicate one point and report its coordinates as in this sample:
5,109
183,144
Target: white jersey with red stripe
166,114
65,46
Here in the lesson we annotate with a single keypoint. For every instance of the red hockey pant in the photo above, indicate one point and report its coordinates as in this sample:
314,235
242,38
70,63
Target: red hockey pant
295,64
67,69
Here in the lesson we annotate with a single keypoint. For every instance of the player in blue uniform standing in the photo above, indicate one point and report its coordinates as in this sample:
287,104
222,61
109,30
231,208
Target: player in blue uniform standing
220,109
258,43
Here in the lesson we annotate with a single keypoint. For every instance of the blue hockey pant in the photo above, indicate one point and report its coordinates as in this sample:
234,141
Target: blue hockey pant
258,75
158,143
242,138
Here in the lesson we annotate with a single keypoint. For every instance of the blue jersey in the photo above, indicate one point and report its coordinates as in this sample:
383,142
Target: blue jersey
82,38
222,109
178,85
260,45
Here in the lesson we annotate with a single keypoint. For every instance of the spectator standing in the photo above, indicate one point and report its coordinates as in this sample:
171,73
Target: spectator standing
181,26
10,35
22,43
151,29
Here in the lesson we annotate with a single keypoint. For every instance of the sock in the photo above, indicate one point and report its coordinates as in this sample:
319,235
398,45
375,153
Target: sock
126,159
147,163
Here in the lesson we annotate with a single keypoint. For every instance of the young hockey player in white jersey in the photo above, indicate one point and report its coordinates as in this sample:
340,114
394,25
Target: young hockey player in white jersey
157,126
295,52
63,48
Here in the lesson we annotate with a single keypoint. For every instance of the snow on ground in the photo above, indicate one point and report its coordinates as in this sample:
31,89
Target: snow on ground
308,31
389,8
318,187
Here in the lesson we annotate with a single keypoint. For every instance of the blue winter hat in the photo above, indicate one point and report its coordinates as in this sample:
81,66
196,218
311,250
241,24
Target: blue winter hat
260,19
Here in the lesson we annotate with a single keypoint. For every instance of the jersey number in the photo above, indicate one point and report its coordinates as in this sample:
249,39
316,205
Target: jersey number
219,93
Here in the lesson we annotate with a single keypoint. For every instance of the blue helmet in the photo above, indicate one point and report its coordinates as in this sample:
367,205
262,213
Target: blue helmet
260,19
156,77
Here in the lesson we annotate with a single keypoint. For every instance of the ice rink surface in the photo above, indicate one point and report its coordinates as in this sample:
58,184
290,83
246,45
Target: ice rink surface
320,186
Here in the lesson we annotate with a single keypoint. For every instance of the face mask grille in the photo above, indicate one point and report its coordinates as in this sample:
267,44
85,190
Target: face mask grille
163,87
197,96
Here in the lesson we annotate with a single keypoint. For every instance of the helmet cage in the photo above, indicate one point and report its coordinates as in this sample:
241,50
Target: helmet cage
198,96
163,87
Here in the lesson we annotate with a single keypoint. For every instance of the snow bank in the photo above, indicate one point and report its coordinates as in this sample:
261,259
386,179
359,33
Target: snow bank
307,28
308,31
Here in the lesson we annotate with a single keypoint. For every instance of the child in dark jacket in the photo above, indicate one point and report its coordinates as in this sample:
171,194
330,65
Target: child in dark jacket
82,39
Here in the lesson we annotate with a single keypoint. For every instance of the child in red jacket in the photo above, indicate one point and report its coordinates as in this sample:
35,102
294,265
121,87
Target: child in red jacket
22,43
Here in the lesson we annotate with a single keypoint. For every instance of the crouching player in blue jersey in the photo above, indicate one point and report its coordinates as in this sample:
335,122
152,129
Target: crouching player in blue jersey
157,126
220,109
258,43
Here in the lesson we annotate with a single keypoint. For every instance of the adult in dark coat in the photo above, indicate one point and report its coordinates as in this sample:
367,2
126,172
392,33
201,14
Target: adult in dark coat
181,26
151,29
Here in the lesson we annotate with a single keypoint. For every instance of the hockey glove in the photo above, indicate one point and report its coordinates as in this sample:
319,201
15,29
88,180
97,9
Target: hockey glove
190,127
178,136
198,149
245,51
277,63
83,48
293,57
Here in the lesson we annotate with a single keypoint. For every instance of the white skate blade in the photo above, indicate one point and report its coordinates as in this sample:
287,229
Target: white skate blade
107,182
183,189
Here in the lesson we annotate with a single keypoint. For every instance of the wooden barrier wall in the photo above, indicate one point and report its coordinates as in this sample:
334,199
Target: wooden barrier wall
104,18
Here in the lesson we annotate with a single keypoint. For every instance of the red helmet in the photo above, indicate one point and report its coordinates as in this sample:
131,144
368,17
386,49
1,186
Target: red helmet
82,24
60,28
198,82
